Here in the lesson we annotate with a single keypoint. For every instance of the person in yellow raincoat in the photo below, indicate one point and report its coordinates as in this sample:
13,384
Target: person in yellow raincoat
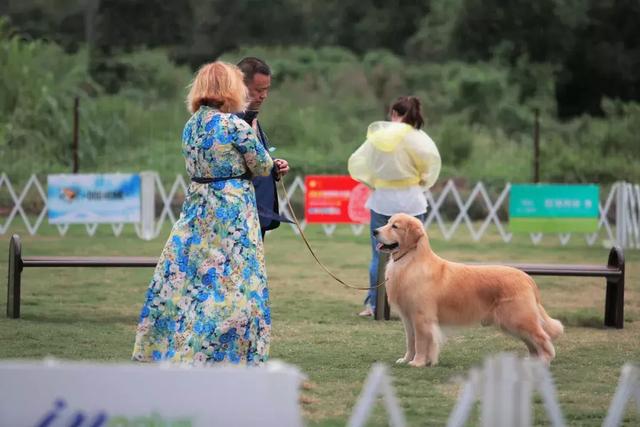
399,162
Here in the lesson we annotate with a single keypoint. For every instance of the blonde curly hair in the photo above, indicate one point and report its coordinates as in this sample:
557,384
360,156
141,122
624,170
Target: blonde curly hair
220,85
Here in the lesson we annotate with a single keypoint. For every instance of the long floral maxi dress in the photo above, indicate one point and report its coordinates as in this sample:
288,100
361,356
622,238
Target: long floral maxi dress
208,299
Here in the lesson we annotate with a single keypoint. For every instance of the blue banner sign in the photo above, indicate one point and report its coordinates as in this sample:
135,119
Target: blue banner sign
93,198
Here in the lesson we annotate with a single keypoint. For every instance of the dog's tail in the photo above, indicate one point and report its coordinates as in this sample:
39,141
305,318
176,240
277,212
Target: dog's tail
552,327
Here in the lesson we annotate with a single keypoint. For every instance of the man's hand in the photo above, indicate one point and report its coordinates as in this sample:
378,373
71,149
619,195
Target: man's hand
282,167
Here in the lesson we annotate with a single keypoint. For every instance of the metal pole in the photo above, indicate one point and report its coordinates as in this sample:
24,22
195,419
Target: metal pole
13,280
383,310
76,102
536,146
614,297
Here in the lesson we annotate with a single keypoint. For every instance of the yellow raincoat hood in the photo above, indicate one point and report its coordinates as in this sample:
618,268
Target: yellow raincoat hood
385,136
395,155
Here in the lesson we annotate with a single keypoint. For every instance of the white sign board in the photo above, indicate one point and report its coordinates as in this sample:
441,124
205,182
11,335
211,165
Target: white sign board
93,198
109,395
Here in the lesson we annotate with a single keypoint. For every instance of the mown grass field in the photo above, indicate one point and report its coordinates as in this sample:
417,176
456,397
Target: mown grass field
91,314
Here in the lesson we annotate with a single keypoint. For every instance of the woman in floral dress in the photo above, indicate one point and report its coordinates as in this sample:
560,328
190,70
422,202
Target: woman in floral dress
208,299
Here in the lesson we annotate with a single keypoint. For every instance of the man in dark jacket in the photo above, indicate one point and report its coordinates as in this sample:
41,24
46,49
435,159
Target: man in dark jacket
257,77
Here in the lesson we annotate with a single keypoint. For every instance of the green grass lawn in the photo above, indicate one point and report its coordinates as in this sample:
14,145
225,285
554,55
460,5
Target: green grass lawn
91,314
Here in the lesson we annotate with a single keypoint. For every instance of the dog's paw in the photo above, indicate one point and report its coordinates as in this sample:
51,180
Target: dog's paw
422,363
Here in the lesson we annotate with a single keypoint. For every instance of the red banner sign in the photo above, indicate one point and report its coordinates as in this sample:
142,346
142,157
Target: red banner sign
332,199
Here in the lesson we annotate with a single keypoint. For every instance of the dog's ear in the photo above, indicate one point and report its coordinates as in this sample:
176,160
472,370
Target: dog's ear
415,231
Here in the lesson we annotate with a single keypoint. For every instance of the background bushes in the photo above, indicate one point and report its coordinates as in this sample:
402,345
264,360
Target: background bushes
479,110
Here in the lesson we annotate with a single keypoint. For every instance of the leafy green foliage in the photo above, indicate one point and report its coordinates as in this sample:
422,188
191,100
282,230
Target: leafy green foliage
480,115
434,36
130,131
597,150
604,62
592,43
38,83
540,30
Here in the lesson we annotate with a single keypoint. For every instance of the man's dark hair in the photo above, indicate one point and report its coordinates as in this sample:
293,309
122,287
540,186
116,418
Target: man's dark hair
250,66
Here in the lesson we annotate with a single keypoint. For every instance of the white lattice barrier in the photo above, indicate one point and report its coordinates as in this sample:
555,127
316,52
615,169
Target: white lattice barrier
378,384
622,198
436,203
628,215
628,389
18,199
505,386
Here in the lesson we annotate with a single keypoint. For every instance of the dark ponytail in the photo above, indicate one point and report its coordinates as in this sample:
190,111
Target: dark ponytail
411,109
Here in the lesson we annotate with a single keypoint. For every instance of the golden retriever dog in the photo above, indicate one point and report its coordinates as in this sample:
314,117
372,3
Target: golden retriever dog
428,291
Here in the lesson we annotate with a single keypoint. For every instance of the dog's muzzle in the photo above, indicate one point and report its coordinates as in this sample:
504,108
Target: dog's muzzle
387,247
382,246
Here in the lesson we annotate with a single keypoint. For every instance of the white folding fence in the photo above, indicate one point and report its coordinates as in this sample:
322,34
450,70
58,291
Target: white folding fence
504,386
619,209
628,389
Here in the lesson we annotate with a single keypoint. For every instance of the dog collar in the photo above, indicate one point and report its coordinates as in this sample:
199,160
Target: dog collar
401,256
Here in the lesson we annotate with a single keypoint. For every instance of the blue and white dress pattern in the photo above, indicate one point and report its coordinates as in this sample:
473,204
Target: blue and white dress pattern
208,299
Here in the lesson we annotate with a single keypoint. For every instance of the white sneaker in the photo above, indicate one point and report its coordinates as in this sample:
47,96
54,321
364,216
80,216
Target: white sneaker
367,312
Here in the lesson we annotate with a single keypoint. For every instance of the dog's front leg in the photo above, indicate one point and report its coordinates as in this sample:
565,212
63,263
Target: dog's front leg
410,341
426,343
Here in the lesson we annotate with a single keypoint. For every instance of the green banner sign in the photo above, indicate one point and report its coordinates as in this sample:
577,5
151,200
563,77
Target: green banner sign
554,208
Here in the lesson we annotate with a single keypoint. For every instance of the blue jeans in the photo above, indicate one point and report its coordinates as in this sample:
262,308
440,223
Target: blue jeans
377,220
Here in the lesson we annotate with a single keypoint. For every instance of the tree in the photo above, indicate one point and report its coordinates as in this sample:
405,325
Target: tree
60,21
605,60
432,39
122,25
363,25
219,26
541,30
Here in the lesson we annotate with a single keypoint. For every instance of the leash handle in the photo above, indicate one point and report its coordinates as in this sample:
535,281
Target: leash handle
306,242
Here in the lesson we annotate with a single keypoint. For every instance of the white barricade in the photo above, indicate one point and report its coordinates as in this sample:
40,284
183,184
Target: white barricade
378,384
99,395
505,387
79,394
628,388
622,198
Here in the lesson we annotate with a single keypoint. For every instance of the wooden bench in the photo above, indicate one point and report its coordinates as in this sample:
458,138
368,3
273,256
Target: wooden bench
17,263
613,272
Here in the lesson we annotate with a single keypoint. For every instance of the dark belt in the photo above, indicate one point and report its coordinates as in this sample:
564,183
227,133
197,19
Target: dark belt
200,180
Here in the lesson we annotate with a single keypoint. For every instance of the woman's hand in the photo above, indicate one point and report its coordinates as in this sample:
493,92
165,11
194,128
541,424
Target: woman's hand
282,167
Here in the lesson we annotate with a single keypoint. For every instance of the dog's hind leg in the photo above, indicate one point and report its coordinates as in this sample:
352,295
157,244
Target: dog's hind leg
427,344
520,319
535,338
533,351
410,341
543,344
